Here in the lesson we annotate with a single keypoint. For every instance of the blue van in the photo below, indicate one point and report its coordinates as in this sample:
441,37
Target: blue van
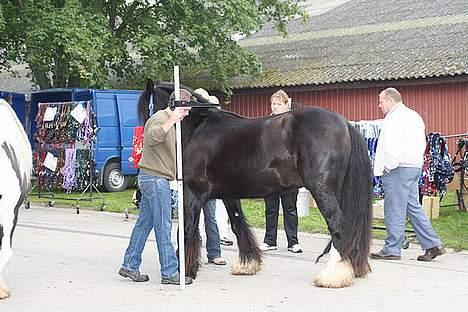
116,117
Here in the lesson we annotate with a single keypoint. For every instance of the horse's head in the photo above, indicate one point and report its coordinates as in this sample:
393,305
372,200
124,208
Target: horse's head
159,96
160,93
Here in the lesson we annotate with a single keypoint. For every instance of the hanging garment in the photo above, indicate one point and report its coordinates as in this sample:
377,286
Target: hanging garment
370,131
437,169
68,170
137,146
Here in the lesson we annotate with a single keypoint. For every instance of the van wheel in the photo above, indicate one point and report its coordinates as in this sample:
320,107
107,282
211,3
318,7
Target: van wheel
114,181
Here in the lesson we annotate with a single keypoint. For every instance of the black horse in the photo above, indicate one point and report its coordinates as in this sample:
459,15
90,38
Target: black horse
231,157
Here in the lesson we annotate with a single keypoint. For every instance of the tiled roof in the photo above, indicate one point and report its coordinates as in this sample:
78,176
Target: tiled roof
364,40
16,83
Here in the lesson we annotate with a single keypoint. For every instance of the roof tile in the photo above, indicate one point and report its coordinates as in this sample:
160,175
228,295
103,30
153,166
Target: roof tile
359,40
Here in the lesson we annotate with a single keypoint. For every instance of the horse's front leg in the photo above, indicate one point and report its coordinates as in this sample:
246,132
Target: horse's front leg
250,256
338,271
192,239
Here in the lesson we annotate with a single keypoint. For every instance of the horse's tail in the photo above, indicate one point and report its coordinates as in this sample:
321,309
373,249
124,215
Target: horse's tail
143,102
356,206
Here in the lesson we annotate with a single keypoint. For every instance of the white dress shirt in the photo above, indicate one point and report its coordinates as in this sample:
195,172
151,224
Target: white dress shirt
402,140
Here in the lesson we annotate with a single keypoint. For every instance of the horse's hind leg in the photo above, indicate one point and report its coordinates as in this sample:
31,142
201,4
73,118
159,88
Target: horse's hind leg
250,256
7,216
5,255
11,198
338,272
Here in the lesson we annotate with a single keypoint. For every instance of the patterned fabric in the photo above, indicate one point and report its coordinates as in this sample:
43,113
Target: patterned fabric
67,140
68,170
437,169
376,181
137,146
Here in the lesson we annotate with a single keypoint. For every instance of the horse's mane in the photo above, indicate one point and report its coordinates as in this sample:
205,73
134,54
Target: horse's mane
160,92
233,115
13,137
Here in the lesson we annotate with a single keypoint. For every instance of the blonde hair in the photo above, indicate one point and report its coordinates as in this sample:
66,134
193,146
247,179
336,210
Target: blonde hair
283,96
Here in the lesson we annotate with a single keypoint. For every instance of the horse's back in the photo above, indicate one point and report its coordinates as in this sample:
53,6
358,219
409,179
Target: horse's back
15,158
13,135
319,121
265,155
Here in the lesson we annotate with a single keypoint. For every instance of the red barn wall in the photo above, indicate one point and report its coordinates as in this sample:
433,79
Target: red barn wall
443,106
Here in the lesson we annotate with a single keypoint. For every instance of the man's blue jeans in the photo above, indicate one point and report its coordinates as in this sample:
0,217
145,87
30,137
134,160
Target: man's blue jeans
401,201
155,213
213,248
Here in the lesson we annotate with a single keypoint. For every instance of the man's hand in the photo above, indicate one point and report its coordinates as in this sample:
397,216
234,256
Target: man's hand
179,113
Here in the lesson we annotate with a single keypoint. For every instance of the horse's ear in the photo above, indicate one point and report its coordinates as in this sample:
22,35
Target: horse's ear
143,102
149,86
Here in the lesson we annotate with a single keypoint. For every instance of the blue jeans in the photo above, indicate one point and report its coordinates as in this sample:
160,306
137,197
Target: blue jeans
402,200
213,248
155,213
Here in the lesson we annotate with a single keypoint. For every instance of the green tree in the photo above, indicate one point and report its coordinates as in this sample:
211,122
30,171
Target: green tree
2,22
69,43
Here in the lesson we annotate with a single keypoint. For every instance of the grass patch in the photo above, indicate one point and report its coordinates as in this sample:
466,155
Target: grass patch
115,202
452,225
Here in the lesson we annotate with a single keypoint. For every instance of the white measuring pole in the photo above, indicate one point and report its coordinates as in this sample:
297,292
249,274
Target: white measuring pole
180,185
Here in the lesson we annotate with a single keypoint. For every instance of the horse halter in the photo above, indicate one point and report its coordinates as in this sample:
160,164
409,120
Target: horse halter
173,104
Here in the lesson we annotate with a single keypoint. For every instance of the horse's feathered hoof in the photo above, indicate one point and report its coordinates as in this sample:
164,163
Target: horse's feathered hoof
339,275
245,268
4,291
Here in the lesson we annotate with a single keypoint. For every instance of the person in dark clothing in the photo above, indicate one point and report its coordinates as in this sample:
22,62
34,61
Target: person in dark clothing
279,105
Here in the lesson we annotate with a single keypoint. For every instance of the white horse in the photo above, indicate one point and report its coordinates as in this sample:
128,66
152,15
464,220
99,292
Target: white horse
15,171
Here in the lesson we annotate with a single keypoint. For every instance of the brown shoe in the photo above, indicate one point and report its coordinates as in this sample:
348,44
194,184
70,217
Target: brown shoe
135,276
381,255
432,253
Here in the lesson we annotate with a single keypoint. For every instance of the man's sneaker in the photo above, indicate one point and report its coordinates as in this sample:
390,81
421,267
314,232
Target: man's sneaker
266,247
217,261
296,248
226,241
133,275
175,280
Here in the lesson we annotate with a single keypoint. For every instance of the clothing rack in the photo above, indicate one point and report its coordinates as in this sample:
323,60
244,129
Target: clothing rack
64,134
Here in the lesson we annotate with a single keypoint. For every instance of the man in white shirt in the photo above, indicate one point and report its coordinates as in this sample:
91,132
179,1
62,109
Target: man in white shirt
399,159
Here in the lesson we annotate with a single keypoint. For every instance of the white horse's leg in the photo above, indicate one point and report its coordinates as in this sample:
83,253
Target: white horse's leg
5,251
337,274
5,255
10,191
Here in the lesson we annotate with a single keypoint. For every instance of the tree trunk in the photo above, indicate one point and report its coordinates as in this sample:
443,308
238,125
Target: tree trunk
59,80
41,78
74,82
112,14
19,4
128,15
